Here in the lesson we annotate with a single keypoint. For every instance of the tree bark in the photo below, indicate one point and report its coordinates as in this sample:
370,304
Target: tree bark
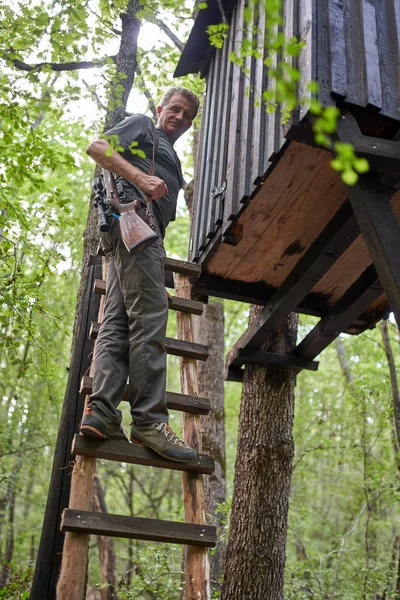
393,379
9,547
209,330
48,561
256,548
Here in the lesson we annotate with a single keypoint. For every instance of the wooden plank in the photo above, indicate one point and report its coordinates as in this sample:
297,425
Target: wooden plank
307,58
337,48
373,82
234,137
137,528
208,154
274,116
244,185
192,307
293,226
382,155
357,299
121,451
198,182
182,266
223,131
172,346
281,187
185,349
389,58
381,231
259,111
175,401
356,75
197,566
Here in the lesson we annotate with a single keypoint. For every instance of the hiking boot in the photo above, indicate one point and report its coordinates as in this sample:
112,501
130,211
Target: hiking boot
97,426
160,438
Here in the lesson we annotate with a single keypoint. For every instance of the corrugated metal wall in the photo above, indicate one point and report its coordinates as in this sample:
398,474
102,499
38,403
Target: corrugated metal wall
352,50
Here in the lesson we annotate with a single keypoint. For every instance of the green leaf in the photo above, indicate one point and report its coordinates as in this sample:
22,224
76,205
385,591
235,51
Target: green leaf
361,165
349,177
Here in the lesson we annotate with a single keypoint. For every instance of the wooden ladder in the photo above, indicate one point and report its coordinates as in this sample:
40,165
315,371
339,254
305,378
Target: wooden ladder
79,521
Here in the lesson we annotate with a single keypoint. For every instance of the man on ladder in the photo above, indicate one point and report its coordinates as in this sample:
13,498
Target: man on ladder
132,334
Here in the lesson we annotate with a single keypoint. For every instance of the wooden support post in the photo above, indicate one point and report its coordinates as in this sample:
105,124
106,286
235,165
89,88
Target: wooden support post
51,543
381,231
72,582
73,576
197,572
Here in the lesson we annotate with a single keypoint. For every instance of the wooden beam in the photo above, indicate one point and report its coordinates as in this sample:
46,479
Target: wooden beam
137,528
197,565
119,450
358,298
381,231
49,554
239,356
337,236
193,307
172,346
382,154
182,267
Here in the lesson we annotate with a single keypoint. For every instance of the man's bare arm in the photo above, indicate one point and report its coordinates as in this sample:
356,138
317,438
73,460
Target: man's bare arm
148,184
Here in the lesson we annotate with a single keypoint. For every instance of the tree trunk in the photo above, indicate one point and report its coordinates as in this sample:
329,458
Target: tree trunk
393,379
9,549
49,554
106,549
209,330
256,548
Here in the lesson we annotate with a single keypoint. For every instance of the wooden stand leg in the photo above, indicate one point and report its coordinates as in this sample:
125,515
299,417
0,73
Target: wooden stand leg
197,571
72,582
381,231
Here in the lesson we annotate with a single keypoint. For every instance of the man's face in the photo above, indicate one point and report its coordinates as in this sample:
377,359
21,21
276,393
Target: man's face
175,117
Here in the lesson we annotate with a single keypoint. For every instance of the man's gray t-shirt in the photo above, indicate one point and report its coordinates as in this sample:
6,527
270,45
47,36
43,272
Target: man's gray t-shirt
140,129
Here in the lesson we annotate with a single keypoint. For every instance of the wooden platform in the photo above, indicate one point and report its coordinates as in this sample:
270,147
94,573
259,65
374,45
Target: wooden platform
299,198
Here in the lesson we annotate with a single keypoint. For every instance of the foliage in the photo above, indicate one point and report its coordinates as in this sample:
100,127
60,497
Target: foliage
343,432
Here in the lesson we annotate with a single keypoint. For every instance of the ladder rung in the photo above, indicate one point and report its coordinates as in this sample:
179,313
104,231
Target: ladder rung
193,307
182,402
186,349
172,264
183,267
137,454
172,346
138,528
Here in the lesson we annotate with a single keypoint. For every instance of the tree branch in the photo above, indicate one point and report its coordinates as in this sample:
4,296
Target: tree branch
143,88
156,21
68,66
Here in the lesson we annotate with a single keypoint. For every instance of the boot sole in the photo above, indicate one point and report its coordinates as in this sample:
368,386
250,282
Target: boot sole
89,431
181,460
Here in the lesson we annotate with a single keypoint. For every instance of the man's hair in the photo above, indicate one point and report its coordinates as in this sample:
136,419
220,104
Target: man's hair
183,92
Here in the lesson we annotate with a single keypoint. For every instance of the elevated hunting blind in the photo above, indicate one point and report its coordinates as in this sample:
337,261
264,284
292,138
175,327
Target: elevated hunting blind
273,223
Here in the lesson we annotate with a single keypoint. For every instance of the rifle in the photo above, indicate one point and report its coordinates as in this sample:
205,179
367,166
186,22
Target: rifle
135,233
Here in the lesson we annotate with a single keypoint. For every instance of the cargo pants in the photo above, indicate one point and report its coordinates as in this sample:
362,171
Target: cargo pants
132,335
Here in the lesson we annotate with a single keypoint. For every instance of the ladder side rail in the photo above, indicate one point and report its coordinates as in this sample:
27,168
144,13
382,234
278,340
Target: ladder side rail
73,575
197,567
